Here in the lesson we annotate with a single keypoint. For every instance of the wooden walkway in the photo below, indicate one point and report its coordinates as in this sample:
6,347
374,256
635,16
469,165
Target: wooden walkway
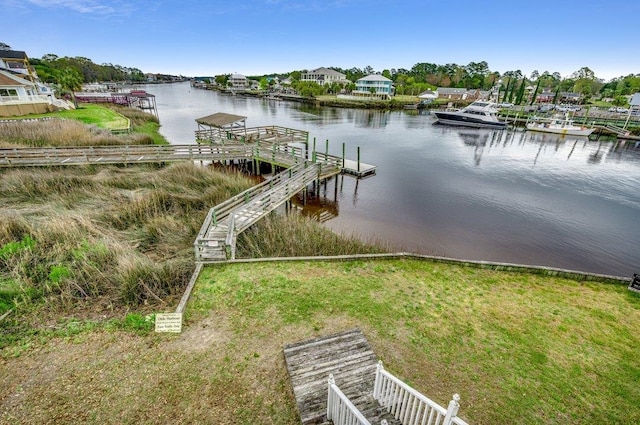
39,157
217,237
351,360
281,155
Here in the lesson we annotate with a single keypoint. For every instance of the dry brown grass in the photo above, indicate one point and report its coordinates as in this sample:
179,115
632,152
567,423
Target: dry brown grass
62,133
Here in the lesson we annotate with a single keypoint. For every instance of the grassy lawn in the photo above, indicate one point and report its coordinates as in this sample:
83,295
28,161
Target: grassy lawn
518,348
89,113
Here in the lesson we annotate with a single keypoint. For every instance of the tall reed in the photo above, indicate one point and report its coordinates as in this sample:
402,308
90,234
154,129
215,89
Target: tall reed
62,133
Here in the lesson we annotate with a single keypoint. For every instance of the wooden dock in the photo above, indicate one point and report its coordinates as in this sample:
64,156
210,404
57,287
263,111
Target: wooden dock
352,362
358,169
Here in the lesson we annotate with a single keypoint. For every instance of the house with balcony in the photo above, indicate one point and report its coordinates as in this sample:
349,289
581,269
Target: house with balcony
19,96
374,86
324,76
238,82
17,62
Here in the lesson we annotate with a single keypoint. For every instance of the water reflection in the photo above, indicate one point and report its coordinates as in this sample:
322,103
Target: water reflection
541,147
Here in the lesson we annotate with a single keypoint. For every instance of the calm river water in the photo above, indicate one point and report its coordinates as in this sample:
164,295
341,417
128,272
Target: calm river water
504,196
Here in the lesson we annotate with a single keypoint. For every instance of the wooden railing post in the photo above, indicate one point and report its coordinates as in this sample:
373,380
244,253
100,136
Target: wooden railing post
331,382
452,410
378,381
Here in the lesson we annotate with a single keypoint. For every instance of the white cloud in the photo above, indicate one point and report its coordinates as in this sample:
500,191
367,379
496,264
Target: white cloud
81,6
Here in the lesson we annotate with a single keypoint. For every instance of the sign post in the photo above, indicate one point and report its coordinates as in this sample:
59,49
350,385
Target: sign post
169,322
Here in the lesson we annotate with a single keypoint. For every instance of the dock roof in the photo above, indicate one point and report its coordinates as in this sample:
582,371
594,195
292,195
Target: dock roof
220,119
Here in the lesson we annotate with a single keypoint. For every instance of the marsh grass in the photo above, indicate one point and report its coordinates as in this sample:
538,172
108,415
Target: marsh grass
63,133
297,236
109,238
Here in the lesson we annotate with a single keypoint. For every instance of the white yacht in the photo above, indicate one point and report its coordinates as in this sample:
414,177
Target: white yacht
480,114
560,125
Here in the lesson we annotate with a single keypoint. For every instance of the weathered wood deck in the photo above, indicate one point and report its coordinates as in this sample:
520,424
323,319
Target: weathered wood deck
351,360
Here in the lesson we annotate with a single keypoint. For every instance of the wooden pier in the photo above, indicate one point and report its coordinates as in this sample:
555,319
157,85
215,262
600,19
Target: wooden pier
283,148
352,362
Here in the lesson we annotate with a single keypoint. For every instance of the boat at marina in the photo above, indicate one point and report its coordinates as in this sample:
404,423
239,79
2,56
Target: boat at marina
560,124
479,114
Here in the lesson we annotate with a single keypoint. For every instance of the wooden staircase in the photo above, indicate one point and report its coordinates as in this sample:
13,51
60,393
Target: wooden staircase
350,359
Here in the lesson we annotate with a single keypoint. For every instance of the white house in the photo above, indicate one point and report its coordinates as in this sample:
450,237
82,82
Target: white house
374,85
238,81
324,76
19,96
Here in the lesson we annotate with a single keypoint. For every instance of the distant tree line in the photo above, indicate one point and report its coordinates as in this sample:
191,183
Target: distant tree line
72,72
477,75
50,67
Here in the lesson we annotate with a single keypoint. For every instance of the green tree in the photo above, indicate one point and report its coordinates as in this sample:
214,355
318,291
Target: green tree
535,92
222,80
69,81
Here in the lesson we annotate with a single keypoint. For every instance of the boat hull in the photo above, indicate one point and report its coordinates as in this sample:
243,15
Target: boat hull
465,121
562,131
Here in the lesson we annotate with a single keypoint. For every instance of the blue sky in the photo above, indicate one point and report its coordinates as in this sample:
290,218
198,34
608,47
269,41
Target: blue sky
255,37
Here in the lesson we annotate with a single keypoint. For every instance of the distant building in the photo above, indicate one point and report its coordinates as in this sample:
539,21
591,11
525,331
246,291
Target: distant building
546,96
374,85
569,97
451,93
324,76
238,81
428,95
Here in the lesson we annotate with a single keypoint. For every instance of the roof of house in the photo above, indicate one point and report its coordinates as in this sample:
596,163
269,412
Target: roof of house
327,71
8,79
238,76
428,94
220,119
12,54
374,77
451,90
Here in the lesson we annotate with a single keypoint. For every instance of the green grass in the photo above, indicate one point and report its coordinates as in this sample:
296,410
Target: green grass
98,115
519,348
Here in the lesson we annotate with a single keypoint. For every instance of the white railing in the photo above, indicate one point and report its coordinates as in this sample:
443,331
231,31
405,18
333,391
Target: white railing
32,98
340,410
252,204
409,406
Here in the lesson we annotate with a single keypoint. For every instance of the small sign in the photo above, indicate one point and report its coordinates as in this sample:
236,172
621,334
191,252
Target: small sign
635,283
169,322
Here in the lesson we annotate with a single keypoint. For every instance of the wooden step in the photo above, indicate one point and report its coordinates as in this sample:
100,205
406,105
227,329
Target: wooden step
346,355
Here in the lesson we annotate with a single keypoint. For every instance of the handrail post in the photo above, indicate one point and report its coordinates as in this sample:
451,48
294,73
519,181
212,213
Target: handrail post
452,410
378,381
331,382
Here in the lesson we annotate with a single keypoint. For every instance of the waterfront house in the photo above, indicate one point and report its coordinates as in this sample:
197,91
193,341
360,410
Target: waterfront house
570,97
238,81
451,93
546,96
324,76
19,96
374,85
17,62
